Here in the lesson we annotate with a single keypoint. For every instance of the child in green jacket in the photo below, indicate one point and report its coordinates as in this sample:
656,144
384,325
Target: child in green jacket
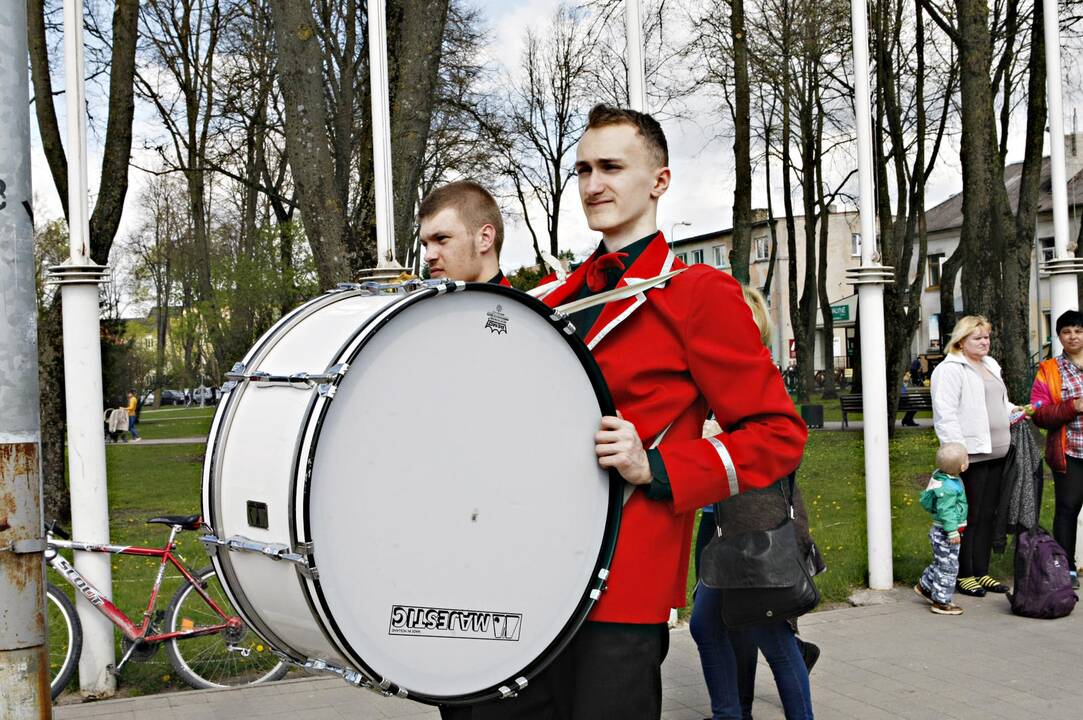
945,500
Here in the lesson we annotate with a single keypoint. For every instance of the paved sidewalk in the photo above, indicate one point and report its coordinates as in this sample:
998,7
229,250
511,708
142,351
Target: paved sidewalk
895,660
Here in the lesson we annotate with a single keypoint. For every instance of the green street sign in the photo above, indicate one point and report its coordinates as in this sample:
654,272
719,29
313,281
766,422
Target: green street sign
840,312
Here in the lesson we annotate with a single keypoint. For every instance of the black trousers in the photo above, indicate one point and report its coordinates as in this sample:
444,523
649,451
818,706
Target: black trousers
610,671
1068,496
983,482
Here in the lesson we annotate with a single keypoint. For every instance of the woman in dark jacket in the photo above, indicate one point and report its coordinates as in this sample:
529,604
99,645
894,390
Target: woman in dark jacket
728,656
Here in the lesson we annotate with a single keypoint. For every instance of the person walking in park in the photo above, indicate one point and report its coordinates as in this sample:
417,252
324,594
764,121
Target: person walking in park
133,416
971,407
1057,395
945,499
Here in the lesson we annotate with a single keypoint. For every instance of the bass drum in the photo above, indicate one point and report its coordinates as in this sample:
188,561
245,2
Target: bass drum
403,488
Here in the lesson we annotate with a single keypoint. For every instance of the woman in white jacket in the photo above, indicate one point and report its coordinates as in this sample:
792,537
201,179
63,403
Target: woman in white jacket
971,406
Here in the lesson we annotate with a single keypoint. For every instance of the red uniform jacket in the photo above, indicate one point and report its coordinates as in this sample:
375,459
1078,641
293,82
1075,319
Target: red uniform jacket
668,356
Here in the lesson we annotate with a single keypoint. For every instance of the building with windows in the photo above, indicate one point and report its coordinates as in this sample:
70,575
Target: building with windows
843,251
944,224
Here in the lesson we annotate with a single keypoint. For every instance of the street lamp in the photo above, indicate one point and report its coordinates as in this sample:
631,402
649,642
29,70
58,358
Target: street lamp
673,230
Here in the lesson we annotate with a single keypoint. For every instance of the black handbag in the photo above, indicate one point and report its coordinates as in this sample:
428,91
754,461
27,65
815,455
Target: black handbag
763,575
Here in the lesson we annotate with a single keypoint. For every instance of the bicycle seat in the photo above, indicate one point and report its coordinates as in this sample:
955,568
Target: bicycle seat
187,522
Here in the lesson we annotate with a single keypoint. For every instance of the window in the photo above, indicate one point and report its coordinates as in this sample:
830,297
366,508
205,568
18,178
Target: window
934,331
148,342
1047,250
721,256
763,249
697,256
855,244
935,263
683,257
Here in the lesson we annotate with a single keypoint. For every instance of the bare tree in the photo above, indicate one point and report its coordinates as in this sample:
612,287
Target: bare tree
544,117
322,60
104,221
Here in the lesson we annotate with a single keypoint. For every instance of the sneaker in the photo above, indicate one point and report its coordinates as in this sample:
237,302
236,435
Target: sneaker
810,653
991,584
969,586
139,439
946,609
924,594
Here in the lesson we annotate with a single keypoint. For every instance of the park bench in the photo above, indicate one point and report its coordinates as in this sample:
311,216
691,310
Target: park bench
915,399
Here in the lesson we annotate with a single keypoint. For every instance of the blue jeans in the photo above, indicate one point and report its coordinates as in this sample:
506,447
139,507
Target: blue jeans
131,426
717,643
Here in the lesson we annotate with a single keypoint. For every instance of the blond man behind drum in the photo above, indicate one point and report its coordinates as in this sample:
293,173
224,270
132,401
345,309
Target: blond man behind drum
462,233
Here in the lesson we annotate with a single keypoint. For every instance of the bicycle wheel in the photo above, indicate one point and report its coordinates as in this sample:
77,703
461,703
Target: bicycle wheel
65,639
227,659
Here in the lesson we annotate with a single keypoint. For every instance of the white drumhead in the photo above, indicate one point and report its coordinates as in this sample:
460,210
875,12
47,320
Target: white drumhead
455,505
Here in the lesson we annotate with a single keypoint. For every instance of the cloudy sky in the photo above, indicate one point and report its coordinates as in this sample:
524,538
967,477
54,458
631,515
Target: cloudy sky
700,194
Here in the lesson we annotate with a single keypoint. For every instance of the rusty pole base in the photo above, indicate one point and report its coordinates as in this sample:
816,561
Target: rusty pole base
24,684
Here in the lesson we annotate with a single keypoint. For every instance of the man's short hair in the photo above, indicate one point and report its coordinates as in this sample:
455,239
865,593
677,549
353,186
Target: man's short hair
1069,318
476,207
603,115
950,457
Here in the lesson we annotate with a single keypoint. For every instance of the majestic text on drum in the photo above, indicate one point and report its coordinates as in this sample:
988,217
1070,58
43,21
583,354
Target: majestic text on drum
449,623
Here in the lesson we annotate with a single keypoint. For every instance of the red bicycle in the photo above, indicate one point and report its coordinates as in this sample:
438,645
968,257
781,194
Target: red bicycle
207,643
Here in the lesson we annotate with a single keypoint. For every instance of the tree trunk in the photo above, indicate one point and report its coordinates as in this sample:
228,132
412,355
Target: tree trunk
1015,308
987,218
322,212
112,190
415,31
742,193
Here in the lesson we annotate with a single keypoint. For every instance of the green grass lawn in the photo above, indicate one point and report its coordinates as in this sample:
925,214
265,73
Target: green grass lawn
146,480
175,422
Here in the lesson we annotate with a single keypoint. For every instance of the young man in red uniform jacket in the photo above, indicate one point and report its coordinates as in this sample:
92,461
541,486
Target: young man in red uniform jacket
462,233
669,355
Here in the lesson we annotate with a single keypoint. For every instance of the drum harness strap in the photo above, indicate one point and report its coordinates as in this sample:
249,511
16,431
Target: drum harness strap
631,289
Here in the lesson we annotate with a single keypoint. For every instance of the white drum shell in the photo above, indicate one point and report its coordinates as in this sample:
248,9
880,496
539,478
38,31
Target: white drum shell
358,510
254,459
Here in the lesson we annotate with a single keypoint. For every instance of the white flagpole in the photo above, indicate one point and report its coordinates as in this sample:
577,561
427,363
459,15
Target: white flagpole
637,83
870,279
381,137
79,279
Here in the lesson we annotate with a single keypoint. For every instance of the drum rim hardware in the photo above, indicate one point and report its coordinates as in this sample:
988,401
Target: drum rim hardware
300,381
344,658
300,555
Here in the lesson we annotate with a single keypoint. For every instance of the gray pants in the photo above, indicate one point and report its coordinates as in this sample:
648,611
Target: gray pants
939,578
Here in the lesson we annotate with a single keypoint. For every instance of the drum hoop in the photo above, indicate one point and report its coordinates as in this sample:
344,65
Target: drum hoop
313,425
223,420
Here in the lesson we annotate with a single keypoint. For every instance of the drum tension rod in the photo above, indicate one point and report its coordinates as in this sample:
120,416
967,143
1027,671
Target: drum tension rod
298,556
355,678
301,381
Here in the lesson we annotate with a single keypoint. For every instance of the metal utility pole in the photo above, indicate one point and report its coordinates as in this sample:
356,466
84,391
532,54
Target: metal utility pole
1064,266
78,279
633,42
24,660
870,279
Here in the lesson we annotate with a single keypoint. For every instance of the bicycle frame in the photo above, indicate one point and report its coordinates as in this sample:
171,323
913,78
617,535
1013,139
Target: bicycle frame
115,615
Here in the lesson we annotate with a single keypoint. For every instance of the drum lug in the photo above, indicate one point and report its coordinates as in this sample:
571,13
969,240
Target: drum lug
561,320
507,692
